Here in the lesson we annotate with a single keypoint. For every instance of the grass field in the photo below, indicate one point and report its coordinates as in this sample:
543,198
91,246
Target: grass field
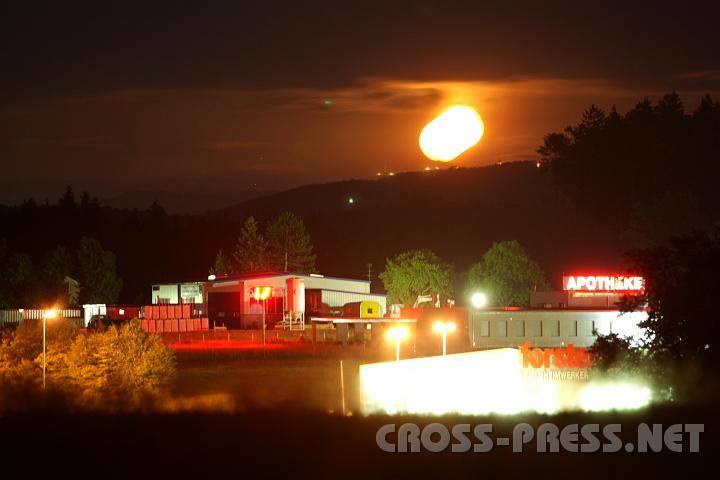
290,377
277,416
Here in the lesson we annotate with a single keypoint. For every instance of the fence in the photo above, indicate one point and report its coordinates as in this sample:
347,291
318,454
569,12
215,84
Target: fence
18,316
271,336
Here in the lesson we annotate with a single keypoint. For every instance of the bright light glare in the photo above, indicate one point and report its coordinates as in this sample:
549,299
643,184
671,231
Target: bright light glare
480,383
262,293
478,300
397,333
52,313
451,133
444,326
620,396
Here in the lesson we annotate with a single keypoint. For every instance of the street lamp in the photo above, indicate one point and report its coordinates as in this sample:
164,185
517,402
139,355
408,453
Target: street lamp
262,294
46,314
397,334
444,328
478,299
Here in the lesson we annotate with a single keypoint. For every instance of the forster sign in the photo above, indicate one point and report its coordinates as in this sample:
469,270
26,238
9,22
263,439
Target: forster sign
567,357
603,283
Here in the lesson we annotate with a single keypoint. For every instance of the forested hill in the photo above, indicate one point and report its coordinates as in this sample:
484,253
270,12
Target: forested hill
458,213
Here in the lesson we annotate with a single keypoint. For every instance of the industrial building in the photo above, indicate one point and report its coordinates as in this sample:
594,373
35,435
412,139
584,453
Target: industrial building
585,308
234,301
548,327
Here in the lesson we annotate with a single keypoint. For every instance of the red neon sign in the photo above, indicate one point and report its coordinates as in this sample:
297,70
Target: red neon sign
603,283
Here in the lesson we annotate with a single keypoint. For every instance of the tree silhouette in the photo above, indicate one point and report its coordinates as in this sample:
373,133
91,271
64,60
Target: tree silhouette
15,277
414,273
506,274
58,267
221,265
251,248
608,163
98,279
681,279
289,245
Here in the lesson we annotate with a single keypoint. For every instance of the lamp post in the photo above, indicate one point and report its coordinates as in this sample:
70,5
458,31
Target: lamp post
46,314
263,322
397,334
444,328
261,294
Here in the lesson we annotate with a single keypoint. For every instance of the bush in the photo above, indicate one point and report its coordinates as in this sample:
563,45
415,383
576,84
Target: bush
116,368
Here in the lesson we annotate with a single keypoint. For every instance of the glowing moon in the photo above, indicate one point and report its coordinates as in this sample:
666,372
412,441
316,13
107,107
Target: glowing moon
451,133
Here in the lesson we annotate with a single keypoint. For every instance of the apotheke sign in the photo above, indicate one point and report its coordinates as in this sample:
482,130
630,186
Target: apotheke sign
603,283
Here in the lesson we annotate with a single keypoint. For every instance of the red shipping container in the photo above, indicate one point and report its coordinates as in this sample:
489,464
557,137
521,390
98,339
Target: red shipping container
178,311
158,326
144,325
156,312
186,311
163,312
197,325
151,326
173,325
204,322
181,325
132,311
148,312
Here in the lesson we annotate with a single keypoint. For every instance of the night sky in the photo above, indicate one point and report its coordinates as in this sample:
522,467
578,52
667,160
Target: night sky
113,97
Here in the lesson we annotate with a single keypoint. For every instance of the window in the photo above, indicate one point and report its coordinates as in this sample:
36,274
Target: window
572,328
314,302
484,328
502,328
519,328
554,328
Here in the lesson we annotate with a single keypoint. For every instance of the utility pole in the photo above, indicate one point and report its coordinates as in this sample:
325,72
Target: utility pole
370,275
287,241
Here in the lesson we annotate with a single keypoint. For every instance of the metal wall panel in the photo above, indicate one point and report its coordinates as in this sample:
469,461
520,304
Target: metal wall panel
548,328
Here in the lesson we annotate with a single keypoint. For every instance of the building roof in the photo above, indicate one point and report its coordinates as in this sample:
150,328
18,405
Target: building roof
254,275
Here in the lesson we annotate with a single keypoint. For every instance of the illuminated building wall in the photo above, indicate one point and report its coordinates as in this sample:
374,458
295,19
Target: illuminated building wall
548,328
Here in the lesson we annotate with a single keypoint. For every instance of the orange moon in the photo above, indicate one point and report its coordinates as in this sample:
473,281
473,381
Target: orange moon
451,133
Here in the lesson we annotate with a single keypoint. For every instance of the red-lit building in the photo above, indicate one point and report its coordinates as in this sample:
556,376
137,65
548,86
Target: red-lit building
231,301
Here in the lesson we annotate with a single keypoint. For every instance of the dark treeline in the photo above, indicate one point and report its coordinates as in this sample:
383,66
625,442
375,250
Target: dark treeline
609,184
654,169
145,246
